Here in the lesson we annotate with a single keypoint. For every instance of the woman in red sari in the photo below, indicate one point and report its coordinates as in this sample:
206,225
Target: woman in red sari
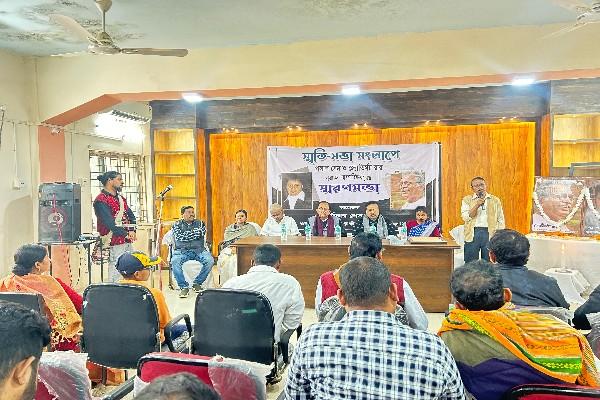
62,304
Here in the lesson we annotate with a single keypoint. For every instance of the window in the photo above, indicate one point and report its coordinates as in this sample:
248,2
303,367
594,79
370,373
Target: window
132,169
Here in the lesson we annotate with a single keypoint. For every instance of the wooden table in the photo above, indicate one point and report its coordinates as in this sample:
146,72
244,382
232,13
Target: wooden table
426,267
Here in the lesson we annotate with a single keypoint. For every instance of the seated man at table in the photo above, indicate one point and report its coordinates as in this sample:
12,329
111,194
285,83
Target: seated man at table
497,348
591,306
510,250
282,290
323,224
370,245
373,221
277,219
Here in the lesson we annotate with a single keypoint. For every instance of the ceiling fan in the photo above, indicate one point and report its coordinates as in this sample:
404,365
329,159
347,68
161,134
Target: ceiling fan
586,14
102,43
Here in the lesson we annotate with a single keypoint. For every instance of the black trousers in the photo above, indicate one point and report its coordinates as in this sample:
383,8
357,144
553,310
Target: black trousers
479,243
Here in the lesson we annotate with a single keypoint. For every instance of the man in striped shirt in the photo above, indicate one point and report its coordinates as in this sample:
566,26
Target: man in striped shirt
369,354
189,234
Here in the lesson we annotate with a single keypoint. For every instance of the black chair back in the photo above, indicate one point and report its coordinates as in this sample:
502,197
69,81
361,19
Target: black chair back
234,323
120,324
29,300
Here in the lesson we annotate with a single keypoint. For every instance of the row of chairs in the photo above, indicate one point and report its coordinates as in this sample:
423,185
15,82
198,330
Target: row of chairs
121,326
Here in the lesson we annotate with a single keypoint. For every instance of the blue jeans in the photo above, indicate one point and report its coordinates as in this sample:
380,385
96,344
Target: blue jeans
181,256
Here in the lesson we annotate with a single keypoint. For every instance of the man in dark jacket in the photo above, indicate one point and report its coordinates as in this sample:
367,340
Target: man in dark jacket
591,306
510,250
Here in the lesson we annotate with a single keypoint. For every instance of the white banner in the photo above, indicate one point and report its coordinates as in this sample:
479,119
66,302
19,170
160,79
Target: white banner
399,177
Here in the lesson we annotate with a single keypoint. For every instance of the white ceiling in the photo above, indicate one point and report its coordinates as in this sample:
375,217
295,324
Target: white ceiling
25,29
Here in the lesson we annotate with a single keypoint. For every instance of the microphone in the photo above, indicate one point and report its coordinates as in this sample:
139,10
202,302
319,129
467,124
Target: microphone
481,196
165,190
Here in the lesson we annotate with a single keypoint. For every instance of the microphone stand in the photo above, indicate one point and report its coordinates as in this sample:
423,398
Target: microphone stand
156,250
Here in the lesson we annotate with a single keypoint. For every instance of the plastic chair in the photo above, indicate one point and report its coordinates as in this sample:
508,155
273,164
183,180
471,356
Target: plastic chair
190,268
29,300
232,381
239,324
63,373
121,325
552,392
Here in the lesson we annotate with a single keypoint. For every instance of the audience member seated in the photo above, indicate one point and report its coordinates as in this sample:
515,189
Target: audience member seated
497,348
370,245
181,386
373,221
323,223
282,290
23,335
369,354
135,269
190,244
591,306
510,250
277,218
227,261
63,304
422,225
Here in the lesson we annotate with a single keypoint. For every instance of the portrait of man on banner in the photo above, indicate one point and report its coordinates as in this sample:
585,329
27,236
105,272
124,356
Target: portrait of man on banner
407,190
557,205
297,191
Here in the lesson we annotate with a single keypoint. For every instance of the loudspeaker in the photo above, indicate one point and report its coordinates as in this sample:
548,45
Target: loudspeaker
59,212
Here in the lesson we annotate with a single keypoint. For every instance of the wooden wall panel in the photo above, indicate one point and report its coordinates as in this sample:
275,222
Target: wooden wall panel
332,112
502,153
545,145
201,168
575,96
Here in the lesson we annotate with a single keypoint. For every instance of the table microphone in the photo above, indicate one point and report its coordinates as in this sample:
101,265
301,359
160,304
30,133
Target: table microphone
165,190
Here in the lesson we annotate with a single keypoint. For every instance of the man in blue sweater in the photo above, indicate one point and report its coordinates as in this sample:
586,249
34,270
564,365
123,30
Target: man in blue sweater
190,244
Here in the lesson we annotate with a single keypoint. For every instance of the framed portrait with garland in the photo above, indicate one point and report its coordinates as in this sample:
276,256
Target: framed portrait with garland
566,205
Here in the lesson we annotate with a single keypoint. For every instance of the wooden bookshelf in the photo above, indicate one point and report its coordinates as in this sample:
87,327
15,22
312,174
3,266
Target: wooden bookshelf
576,139
175,163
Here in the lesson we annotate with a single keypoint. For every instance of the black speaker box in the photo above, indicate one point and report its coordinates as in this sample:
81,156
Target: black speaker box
59,212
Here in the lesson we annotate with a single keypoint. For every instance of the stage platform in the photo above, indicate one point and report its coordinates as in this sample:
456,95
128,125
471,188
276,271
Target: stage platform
426,267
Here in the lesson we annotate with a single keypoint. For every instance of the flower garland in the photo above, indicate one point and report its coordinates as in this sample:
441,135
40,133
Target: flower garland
584,193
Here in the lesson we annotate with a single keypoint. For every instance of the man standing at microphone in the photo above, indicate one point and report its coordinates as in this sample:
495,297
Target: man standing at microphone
115,220
483,215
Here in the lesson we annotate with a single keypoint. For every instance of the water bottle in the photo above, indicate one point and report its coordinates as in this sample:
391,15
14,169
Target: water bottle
338,233
373,229
307,232
283,232
402,233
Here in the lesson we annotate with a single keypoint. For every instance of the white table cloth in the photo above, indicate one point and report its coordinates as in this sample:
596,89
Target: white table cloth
580,255
571,283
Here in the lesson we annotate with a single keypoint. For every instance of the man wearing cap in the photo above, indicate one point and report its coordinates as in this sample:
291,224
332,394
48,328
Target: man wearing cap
135,269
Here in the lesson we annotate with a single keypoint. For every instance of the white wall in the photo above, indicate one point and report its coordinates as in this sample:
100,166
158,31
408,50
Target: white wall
66,83
17,206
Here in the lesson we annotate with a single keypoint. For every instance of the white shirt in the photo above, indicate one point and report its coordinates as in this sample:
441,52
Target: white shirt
273,228
417,318
282,290
481,216
293,199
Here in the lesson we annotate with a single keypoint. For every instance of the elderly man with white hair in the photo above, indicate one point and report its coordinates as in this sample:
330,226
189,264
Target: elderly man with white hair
277,218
